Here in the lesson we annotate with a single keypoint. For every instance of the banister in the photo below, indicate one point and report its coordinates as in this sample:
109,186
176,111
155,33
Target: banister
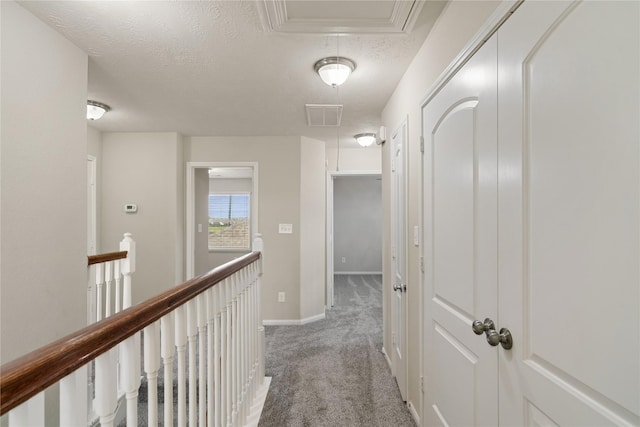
109,256
32,373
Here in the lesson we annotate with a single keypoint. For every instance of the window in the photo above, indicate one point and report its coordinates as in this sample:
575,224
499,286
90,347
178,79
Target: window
229,221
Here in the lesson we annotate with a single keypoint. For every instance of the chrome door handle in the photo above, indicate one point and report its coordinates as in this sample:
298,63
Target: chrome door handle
503,337
480,327
400,287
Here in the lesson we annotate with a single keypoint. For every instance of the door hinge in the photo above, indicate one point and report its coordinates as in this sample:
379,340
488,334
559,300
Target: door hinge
422,264
422,384
422,144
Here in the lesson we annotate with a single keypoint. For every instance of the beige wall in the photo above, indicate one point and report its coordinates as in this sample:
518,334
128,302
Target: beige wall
145,169
278,161
312,228
456,26
94,148
201,261
43,184
355,159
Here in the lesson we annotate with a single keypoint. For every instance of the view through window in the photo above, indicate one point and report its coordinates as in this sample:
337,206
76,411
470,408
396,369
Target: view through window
229,221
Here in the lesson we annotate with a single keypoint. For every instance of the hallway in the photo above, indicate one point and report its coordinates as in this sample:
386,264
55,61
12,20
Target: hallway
333,372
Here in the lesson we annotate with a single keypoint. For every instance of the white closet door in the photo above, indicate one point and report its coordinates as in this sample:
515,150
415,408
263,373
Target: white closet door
460,183
569,214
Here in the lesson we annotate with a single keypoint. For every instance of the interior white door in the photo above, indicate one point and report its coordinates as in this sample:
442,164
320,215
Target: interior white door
569,213
460,245
398,251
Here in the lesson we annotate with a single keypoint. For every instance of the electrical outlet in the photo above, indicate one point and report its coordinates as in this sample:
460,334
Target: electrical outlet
281,297
344,259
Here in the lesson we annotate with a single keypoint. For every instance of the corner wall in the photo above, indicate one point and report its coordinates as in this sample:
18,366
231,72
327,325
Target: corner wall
278,161
458,23
145,169
43,184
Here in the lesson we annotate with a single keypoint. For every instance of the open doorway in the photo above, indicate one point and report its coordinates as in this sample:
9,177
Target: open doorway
354,225
222,213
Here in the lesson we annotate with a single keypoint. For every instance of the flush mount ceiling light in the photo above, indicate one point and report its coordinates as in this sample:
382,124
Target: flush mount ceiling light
95,110
334,70
365,139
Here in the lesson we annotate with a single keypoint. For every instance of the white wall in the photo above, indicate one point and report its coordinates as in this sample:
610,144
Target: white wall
458,23
357,224
43,184
312,226
145,169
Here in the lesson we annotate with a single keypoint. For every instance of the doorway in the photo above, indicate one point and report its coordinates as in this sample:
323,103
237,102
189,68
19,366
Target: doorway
222,213
354,224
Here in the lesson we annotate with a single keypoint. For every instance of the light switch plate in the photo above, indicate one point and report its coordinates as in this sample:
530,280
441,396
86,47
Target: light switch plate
285,228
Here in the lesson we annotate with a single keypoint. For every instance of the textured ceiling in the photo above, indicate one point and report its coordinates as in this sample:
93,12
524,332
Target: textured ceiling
211,68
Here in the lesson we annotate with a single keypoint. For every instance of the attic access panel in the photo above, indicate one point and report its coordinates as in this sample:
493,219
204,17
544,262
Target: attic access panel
332,16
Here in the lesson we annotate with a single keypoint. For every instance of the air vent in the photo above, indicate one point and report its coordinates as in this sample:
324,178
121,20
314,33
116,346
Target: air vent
327,115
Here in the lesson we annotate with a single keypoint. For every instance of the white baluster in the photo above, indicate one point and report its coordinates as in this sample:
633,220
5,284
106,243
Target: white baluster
99,283
217,355
73,399
106,394
168,349
92,295
151,367
108,278
128,268
201,302
28,414
130,376
118,276
242,325
229,350
234,351
211,361
181,343
191,339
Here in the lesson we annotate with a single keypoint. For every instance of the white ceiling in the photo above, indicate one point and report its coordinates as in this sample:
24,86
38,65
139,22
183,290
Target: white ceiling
240,67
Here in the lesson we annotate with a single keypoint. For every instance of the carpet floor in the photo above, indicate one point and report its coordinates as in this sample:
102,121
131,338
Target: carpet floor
332,372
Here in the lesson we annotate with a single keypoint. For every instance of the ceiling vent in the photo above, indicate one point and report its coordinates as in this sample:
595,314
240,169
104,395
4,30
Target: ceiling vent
328,115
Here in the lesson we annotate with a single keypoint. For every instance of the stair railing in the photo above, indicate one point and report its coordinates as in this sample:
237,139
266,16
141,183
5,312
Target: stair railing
217,314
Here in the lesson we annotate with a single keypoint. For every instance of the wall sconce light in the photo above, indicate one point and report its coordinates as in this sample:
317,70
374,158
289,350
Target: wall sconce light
334,70
365,139
95,110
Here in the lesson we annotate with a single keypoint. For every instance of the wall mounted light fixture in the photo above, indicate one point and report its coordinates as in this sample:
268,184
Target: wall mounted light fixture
334,70
95,109
365,139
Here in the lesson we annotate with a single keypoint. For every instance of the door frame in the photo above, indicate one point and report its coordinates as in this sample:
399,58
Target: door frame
329,229
190,225
492,24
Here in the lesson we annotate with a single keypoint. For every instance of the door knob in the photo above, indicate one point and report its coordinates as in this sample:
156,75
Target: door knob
480,327
400,287
503,337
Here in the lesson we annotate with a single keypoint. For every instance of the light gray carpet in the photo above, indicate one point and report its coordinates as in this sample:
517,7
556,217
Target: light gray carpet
332,372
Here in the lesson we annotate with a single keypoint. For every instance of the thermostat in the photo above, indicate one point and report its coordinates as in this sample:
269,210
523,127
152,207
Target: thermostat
131,208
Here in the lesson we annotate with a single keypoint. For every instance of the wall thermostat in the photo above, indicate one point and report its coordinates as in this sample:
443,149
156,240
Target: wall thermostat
131,208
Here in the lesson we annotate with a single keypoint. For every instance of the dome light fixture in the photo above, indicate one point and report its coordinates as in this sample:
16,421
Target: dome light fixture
365,139
334,70
95,109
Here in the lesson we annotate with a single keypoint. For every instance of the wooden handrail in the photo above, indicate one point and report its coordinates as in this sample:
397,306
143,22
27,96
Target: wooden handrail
23,378
109,256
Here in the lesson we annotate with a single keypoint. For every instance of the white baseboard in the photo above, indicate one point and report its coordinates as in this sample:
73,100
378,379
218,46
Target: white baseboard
366,273
414,413
253,418
294,322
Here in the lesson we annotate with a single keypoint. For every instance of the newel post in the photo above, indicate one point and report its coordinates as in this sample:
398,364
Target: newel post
258,245
128,268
